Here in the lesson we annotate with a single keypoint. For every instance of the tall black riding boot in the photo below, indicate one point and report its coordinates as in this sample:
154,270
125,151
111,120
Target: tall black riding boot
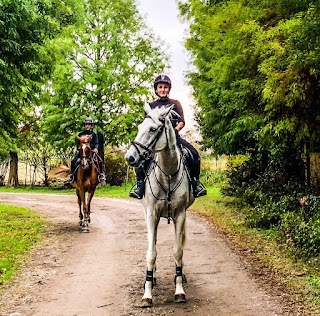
138,192
197,187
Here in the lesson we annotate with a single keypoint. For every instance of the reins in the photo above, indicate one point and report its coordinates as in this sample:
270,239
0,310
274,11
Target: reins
169,192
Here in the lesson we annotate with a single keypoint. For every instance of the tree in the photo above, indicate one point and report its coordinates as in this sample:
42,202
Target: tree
257,89
257,70
105,71
26,25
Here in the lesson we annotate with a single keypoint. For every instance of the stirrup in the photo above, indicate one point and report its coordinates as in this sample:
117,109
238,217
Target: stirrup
101,177
198,189
135,195
201,192
138,192
70,179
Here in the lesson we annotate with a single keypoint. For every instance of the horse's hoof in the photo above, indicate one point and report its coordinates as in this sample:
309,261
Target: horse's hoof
85,229
180,298
146,302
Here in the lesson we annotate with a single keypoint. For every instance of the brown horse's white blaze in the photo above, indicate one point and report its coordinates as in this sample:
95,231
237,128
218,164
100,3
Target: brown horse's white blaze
167,191
87,180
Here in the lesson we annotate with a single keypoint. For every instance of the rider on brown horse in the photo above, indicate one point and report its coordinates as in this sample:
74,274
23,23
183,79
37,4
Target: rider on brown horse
94,145
162,87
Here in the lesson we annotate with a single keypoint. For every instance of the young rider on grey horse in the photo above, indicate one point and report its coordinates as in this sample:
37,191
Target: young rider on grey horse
162,87
94,145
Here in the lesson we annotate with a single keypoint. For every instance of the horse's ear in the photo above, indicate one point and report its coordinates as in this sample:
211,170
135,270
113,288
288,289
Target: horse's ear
165,112
147,107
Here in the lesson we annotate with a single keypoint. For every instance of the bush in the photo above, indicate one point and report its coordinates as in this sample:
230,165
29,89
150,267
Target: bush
300,228
211,177
116,168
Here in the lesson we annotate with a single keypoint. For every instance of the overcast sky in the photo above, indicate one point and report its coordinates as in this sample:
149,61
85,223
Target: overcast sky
162,16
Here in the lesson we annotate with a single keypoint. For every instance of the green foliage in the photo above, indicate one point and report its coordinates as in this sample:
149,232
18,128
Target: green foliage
300,228
20,229
211,177
105,69
269,185
25,27
116,168
257,65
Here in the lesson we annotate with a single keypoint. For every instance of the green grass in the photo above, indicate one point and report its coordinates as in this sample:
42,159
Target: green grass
108,191
20,229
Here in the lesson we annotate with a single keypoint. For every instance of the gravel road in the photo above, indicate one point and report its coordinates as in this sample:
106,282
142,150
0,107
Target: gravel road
102,273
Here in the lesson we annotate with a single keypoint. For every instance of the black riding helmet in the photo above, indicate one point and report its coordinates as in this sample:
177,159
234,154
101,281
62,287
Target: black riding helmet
161,79
88,120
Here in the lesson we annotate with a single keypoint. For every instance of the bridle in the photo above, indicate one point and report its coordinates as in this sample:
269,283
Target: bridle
85,158
146,151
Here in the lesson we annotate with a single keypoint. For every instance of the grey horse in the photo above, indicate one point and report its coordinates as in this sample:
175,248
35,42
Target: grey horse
167,191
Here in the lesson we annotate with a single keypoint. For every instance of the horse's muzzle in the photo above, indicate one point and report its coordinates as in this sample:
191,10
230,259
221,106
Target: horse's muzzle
132,157
132,161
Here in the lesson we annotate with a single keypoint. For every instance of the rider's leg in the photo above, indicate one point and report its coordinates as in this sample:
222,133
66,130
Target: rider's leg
194,165
71,177
138,192
197,186
101,175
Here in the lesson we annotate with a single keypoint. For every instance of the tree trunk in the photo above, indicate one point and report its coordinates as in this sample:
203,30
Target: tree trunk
45,168
13,172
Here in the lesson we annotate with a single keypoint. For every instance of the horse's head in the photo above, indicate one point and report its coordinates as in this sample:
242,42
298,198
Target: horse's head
84,150
153,135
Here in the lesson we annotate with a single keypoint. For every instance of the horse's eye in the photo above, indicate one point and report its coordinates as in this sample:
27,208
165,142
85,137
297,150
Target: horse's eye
152,129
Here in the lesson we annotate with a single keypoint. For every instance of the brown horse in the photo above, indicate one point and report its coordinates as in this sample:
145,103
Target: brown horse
86,182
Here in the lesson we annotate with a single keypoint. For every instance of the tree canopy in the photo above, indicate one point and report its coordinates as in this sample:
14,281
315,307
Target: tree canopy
104,71
256,82
25,27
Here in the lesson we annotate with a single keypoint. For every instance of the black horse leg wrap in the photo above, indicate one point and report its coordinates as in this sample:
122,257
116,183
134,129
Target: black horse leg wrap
178,271
180,274
149,276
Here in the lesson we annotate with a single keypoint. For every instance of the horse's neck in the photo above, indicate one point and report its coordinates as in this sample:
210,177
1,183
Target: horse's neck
169,158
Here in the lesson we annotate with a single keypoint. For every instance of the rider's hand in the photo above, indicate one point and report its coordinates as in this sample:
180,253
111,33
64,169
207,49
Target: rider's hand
95,150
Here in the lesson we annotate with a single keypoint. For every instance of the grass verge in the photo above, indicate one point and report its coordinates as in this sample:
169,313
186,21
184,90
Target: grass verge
20,230
297,280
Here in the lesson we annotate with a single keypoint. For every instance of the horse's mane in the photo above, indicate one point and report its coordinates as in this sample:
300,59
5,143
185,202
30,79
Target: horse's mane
156,113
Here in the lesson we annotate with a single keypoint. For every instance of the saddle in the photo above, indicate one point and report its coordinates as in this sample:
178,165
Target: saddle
188,159
187,156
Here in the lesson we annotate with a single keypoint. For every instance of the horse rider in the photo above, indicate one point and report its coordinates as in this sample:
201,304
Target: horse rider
94,145
162,86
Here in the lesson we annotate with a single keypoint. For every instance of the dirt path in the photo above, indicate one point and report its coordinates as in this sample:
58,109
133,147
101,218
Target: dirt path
102,273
